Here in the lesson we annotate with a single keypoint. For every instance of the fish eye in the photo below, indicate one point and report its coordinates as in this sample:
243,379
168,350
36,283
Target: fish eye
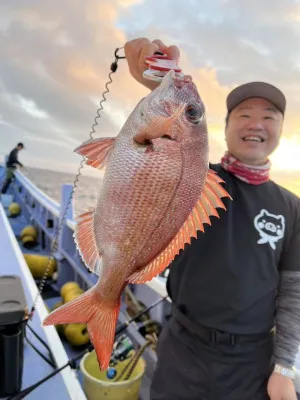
194,113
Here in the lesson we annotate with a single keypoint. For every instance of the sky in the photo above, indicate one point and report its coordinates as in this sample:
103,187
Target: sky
55,59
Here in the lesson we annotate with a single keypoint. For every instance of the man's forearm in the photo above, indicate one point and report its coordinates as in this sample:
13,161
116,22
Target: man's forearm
288,319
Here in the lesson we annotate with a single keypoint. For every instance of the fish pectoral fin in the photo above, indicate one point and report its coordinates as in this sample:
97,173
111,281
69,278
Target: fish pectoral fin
205,207
158,127
96,150
86,243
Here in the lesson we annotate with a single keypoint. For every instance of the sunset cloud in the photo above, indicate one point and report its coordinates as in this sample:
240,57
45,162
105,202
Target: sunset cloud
55,59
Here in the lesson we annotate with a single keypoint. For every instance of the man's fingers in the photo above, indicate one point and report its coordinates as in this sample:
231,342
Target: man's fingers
173,52
133,47
160,44
146,51
133,53
138,49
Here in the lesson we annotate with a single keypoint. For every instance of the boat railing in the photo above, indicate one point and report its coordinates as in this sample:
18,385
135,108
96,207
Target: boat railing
50,204
48,214
15,264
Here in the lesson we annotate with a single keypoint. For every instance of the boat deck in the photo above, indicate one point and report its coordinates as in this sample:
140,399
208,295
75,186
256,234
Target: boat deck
64,385
39,210
67,384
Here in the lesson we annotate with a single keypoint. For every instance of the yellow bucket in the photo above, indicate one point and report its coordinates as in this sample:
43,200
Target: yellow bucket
97,386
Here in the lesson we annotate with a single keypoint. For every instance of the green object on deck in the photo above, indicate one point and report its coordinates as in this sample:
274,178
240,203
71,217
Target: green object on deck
97,385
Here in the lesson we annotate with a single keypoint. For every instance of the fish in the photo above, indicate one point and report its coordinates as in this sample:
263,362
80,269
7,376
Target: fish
157,193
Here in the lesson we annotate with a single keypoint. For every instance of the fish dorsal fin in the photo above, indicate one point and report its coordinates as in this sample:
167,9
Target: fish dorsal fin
85,241
205,207
96,150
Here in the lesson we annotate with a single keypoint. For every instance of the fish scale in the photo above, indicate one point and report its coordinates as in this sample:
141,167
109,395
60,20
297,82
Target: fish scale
157,193
134,221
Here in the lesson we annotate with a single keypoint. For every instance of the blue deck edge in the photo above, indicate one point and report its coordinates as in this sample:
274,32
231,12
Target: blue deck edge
13,263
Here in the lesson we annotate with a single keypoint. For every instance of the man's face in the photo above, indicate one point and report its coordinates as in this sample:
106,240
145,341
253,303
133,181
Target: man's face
20,148
253,130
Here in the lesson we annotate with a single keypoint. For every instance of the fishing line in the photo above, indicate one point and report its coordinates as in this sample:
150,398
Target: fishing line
113,69
159,64
39,352
52,358
122,327
72,362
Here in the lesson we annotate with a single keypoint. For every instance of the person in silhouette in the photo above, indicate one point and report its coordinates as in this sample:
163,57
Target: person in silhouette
11,165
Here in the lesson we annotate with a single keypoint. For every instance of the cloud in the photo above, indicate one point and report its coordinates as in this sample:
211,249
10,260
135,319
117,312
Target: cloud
55,59
226,43
286,157
239,42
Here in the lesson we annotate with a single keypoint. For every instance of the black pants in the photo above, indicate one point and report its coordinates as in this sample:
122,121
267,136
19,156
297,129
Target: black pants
9,177
190,369
6,185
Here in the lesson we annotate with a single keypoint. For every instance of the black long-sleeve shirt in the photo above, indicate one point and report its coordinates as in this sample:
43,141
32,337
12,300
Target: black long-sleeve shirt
229,277
13,159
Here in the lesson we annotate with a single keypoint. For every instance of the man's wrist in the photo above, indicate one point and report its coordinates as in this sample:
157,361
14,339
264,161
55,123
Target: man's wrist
284,371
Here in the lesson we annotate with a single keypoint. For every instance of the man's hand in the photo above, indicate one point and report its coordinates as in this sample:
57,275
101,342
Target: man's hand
281,388
136,50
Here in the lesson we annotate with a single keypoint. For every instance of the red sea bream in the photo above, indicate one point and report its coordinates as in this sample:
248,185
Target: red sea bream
157,192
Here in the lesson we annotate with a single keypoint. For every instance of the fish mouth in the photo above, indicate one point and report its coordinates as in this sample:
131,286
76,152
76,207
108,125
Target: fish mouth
185,82
185,86
179,82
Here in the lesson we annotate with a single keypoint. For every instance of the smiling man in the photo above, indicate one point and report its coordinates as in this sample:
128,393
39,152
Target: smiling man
254,121
255,111
235,327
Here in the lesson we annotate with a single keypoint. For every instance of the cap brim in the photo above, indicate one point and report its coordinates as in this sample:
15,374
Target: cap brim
256,89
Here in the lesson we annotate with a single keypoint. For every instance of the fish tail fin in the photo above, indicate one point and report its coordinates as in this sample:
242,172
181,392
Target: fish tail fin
100,317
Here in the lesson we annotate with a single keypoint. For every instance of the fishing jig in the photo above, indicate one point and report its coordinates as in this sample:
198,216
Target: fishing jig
159,65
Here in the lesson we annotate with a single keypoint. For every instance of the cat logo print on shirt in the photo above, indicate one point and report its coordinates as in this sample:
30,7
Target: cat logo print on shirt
270,227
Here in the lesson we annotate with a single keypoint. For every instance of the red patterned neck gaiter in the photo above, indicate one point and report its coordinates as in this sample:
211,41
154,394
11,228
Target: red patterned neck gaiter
254,175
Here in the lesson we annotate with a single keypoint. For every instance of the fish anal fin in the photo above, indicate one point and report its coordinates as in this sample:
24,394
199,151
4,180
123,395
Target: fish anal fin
205,207
85,241
96,151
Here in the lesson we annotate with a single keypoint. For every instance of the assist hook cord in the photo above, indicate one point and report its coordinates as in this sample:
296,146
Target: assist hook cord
113,69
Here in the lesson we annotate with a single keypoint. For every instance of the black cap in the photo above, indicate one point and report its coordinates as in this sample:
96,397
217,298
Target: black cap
256,89
21,144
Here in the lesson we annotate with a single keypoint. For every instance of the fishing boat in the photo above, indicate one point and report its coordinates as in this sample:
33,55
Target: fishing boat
37,233
32,225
